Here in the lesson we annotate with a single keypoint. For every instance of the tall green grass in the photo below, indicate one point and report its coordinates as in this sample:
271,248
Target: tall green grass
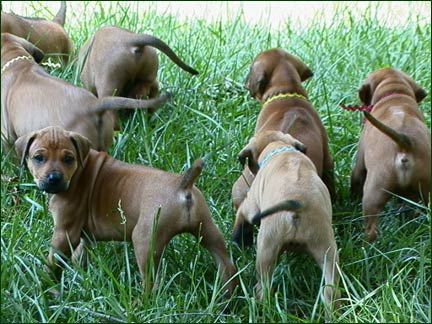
211,116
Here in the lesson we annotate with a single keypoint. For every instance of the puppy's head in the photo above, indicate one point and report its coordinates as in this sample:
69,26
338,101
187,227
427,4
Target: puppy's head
257,144
53,155
275,68
19,45
387,80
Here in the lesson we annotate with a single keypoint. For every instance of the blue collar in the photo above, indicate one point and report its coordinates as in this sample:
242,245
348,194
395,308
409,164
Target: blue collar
276,151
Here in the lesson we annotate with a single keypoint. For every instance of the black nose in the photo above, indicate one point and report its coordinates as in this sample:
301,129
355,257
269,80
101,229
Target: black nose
54,177
53,182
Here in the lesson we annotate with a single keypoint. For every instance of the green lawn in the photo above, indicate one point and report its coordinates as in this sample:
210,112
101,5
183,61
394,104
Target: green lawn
211,116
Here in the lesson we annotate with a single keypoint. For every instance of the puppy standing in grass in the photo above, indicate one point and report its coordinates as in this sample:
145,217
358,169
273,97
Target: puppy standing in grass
108,199
292,205
394,151
32,99
49,36
118,62
275,79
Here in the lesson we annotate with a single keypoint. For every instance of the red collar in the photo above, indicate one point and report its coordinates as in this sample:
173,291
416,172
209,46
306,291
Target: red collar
367,107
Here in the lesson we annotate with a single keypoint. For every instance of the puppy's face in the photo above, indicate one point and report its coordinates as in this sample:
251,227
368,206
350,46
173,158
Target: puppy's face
275,68
389,79
53,155
258,143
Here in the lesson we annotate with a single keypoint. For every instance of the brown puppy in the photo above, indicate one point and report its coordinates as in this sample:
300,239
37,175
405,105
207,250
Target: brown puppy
49,36
287,187
275,79
32,99
118,62
108,199
394,152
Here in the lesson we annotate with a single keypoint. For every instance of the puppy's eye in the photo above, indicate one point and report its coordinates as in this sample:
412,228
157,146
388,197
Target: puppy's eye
68,159
38,158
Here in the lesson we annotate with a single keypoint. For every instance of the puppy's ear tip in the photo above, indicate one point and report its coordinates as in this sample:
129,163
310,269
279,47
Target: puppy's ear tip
420,94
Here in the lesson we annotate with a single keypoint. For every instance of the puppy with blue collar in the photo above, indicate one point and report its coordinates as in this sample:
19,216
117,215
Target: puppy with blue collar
292,206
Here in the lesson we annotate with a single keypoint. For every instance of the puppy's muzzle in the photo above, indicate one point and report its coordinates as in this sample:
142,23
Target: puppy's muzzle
53,182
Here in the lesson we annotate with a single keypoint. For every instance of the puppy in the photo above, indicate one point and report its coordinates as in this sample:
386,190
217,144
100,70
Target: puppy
32,99
49,36
275,79
292,205
116,61
394,151
107,199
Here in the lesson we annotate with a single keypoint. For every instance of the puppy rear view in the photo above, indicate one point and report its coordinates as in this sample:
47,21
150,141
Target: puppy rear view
293,207
112,200
394,152
119,62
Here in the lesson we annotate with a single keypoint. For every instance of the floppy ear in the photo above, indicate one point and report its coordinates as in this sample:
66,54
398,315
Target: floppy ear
34,51
303,70
365,93
419,92
249,153
22,145
299,146
82,146
256,80
306,74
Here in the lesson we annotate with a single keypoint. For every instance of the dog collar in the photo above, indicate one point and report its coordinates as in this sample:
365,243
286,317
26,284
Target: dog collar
368,107
284,95
9,63
274,152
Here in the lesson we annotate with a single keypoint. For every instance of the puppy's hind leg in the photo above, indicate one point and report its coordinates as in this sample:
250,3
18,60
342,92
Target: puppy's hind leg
149,242
213,241
326,255
268,251
375,197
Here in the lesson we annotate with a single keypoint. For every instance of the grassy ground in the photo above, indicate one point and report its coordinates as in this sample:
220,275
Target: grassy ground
211,116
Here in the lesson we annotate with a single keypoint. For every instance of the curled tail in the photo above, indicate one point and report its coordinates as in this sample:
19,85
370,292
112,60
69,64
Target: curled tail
289,205
60,17
399,138
148,40
191,174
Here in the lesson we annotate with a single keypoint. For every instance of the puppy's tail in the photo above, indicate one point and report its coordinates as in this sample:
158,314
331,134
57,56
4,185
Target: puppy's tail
191,174
400,139
60,17
139,40
119,103
289,205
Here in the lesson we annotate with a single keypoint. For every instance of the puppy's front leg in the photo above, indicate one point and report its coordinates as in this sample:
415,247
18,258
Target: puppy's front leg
63,242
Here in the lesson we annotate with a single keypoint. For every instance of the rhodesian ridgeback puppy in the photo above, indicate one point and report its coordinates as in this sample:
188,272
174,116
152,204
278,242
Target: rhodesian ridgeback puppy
49,36
292,205
108,199
274,80
32,99
394,151
119,62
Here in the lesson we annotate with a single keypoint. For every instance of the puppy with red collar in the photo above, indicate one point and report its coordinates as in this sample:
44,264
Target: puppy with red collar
394,151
